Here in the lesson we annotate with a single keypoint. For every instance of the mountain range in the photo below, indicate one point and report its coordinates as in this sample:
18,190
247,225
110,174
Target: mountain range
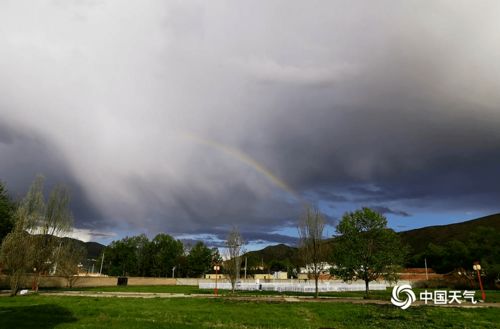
416,239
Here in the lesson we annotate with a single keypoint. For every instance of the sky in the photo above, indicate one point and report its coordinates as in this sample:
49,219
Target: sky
193,117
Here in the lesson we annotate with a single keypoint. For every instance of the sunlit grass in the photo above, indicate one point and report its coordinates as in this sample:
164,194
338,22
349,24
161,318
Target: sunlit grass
86,312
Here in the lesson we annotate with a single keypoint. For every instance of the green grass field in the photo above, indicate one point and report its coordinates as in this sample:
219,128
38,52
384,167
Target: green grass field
492,296
86,312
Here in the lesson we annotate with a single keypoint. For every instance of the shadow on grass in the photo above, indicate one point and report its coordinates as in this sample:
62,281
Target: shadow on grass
35,316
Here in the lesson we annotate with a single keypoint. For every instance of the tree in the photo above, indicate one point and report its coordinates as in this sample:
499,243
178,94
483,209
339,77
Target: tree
144,255
69,254
234,250
23,252
7,209
137,255
216,257
366,249
484,246
17,255
54,220
123,256
199,260
167,253
311,245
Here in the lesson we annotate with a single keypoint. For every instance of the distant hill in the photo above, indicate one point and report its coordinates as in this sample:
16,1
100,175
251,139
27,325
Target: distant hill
94,249
417,239
280,252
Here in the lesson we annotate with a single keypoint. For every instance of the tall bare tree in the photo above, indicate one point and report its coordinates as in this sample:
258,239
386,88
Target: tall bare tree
311,244
68,256
18,247
32,245
56,220
234,250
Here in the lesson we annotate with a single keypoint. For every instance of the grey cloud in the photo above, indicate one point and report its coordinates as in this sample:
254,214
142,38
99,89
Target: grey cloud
319,100
26,155
259,237
387,210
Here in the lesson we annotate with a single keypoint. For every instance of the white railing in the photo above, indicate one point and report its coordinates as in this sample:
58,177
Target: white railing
293,286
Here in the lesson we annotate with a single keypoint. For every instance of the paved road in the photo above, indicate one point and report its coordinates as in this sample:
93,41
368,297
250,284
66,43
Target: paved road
276,299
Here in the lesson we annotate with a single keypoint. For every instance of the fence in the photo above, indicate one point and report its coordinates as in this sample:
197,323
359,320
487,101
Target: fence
294,286
87,281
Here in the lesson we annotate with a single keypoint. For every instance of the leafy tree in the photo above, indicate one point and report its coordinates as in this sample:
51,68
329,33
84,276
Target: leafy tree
435,254
457,255
484,246
137,256
366,249
123,256
279,265
311,245
199,260
146,257
7,209
216,257
167,252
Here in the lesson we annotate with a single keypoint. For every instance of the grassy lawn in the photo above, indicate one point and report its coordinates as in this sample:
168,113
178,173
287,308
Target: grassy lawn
492,296
85,312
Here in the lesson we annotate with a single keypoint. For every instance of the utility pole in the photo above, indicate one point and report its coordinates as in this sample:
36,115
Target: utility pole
245,268
426,274
102,262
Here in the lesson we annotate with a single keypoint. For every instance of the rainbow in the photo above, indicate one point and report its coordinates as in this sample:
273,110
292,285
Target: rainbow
246,159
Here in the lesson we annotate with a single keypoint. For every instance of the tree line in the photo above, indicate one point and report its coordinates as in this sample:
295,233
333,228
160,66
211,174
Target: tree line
482,244
163,256
363,249
366,250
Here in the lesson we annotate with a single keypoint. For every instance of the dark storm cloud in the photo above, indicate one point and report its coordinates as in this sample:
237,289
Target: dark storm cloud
263,237
251,238
324,194
190,118
386,210
25,155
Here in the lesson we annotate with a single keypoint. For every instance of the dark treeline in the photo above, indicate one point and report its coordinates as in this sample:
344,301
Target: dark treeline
7,209
482,244
162,256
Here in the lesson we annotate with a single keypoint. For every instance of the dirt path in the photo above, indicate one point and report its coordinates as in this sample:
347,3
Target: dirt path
272,299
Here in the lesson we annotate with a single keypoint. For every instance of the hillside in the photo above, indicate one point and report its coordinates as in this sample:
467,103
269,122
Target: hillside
417,239
94,249
280,252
